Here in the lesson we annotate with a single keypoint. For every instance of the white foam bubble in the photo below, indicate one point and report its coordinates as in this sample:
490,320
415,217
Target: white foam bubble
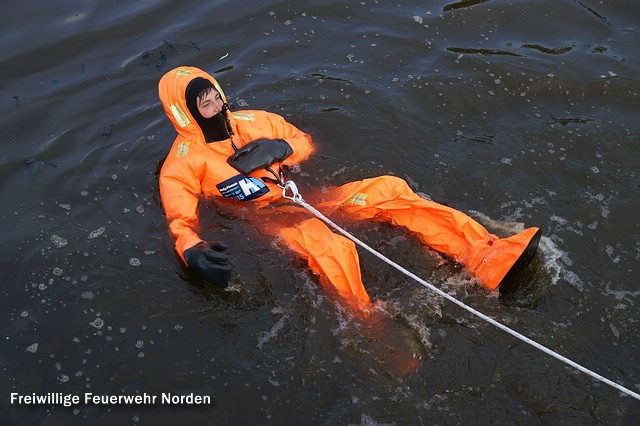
266,336
58,241
97,323
96,233
556,262
627,295
611,253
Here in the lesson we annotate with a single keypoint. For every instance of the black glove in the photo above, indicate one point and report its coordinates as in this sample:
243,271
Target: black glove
258,154
208,262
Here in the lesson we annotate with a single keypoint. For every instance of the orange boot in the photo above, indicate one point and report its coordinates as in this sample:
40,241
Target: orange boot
503,258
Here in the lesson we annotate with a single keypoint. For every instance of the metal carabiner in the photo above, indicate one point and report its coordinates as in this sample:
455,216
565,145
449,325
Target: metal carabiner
295,195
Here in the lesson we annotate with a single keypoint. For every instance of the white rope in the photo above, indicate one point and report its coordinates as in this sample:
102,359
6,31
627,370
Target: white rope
297,198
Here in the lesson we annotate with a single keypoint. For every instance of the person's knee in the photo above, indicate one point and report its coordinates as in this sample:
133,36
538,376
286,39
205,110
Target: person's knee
390,185
394,180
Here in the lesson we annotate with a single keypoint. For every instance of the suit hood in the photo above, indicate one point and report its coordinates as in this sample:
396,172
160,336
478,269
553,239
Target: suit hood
172,91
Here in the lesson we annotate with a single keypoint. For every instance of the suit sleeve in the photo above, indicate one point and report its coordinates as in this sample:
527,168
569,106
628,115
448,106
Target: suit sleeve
180,189
300,141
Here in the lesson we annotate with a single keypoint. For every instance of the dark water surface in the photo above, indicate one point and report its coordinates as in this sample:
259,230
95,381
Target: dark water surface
518,112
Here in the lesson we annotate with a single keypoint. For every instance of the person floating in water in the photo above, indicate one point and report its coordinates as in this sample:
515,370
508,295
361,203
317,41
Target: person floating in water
239,156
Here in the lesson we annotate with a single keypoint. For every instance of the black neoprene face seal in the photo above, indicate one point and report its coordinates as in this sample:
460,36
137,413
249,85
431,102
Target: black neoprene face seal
194,88
214,128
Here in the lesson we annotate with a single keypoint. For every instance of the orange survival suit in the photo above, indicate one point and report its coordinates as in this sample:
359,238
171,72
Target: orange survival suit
194,167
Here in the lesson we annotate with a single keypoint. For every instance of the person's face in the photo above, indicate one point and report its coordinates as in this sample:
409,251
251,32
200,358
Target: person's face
210,104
